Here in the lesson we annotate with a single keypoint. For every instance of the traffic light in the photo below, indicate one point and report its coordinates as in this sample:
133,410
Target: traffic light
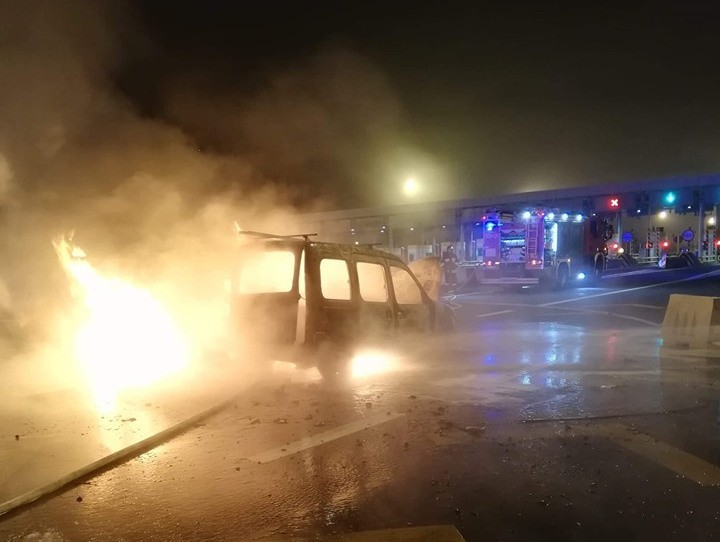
614,202
670,198
490,225
665,244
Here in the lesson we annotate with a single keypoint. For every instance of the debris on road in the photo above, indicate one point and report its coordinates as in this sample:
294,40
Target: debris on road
17,437
280,421
79,499
255,421
475,430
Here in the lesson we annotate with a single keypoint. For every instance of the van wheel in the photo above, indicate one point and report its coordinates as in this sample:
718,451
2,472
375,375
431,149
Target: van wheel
563,275
335,366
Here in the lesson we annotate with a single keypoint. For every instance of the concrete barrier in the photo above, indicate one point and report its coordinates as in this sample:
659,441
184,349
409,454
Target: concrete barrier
691,321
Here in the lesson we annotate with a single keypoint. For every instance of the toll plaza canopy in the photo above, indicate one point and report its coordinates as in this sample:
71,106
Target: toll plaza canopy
650,217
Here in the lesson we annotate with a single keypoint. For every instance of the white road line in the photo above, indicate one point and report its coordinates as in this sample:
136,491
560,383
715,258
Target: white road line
588,311
616,315
500,304
498,313
679,461
640,305
626,290
321,438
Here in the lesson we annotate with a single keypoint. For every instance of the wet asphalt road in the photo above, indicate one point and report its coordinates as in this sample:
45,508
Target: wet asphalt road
547,415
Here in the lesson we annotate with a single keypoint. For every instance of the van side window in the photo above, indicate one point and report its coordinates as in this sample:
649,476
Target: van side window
373,286
334,279
406,289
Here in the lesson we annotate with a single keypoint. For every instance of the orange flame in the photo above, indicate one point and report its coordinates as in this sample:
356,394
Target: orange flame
127,339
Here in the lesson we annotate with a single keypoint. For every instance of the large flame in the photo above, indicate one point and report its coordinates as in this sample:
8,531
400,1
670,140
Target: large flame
126,339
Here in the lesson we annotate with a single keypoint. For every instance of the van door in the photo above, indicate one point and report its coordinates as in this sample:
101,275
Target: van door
412,308
265,302
377,314
336,310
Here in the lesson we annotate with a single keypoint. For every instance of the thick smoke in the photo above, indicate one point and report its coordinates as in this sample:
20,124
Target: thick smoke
153,200
330,124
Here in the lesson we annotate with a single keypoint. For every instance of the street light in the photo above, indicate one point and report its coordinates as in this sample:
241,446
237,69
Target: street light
663,215
411,187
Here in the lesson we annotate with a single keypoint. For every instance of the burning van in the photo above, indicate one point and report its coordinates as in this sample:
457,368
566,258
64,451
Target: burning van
315,304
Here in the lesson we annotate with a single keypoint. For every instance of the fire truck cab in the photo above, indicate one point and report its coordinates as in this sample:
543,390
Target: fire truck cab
543,247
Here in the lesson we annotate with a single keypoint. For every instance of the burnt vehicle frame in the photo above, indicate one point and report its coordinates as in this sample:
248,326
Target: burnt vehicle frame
340,298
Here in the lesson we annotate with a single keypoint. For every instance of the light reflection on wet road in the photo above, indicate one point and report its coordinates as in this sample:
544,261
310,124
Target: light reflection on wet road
555,416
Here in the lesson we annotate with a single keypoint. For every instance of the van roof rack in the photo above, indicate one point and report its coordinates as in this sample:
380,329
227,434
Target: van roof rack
263,235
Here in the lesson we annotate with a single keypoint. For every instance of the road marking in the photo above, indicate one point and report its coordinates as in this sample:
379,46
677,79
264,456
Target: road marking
500,304
498,313
615,314
606,313
640,305
679,461
322,438
626,290
436,533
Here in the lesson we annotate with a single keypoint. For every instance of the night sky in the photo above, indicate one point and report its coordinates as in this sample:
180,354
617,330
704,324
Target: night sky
470,98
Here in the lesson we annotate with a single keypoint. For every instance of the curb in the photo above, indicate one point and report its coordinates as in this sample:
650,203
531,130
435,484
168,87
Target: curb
116,457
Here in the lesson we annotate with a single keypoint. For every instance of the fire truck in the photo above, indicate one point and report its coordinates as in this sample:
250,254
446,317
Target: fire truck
543,247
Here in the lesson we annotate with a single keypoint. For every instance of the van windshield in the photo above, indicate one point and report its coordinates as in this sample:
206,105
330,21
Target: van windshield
269,271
